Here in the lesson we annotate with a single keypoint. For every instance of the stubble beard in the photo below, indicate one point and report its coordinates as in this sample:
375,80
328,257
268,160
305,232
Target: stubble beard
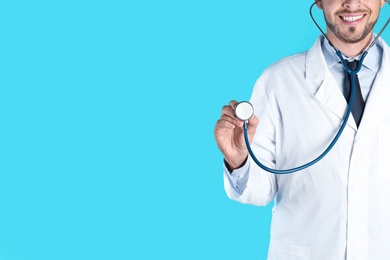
351,36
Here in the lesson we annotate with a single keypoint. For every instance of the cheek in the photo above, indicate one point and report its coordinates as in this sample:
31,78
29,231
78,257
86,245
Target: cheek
330,18
374,15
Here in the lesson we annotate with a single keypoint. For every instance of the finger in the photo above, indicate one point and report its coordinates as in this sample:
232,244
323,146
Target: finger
253,121
228,110
225,123
252,124
231,117
233,104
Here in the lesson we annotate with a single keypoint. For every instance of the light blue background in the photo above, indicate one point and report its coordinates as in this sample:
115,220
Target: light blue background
107,110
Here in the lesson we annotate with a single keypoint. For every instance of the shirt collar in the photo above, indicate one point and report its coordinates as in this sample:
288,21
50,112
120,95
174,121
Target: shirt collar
372,61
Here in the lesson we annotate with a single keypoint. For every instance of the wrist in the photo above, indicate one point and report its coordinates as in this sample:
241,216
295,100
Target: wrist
231,166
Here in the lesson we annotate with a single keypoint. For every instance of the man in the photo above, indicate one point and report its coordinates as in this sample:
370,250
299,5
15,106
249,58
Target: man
338,208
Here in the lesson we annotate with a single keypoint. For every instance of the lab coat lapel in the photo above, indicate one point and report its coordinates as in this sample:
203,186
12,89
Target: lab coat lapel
328,92
329,95
377,101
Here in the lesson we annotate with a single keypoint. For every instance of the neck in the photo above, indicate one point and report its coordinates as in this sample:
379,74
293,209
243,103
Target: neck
350,49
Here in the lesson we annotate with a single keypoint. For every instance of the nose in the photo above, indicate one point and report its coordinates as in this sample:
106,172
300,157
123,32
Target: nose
352,4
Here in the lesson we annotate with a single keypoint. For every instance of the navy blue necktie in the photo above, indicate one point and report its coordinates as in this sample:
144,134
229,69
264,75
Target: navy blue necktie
358,102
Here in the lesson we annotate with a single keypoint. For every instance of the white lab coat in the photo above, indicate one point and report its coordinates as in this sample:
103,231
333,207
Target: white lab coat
340,207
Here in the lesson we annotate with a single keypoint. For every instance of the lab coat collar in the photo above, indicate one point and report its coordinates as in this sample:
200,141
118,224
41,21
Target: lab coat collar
327,91
315,62
370,61
329,94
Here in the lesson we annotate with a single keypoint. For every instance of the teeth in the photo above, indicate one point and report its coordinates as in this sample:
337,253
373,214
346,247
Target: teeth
352,18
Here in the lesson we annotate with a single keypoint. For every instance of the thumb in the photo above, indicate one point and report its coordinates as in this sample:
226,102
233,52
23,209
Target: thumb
252,125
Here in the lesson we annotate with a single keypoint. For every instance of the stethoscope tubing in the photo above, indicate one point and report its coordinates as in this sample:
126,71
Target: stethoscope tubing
352,74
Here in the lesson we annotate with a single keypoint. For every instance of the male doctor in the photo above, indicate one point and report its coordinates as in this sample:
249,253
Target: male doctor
340,207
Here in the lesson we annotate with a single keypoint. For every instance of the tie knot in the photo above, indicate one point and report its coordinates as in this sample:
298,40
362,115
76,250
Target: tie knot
352,64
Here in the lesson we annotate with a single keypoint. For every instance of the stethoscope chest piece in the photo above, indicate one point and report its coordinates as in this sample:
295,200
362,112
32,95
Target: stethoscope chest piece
244,110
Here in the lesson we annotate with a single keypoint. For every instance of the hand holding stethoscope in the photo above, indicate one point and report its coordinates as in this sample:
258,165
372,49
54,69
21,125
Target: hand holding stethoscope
229,134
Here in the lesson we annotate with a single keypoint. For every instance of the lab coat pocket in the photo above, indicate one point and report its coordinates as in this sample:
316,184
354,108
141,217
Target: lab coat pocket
282,251
384,150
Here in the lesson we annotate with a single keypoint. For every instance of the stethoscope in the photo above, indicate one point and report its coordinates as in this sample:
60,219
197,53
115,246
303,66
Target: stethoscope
244,110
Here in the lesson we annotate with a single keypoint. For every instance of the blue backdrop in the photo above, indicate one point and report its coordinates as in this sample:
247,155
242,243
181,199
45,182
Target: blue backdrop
107,110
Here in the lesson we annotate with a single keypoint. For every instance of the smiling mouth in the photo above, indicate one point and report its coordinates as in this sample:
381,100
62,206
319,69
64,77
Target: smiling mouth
351,18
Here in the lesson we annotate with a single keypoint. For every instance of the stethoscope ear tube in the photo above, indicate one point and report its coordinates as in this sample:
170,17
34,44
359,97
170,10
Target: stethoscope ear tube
326,37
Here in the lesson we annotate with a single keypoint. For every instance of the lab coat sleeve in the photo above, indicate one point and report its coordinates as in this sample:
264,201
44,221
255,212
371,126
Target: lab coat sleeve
250,184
